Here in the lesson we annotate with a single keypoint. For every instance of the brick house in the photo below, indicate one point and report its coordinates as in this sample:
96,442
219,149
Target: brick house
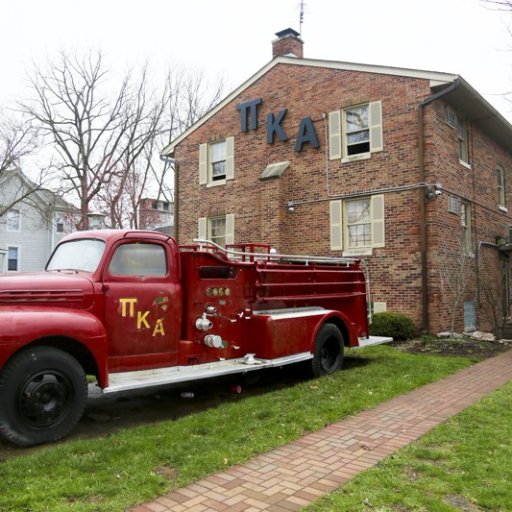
156,214
408,169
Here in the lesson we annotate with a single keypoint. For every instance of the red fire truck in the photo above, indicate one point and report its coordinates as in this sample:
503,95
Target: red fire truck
134,310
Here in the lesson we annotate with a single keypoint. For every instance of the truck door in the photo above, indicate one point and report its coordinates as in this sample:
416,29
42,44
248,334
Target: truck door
142,306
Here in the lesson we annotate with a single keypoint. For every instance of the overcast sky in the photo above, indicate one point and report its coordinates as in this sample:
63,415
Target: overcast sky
232,38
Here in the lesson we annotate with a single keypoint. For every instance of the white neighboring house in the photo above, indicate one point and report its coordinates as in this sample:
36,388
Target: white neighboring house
30,228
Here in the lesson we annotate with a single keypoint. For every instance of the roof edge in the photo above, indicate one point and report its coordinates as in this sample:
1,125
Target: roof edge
436,78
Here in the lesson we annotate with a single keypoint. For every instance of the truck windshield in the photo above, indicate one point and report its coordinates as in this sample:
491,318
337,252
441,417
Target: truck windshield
77,255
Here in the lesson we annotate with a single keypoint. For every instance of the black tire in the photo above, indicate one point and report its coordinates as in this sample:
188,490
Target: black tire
43,392
328,352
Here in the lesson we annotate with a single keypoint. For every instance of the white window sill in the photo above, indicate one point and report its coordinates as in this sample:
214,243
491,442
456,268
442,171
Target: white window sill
358,252
355,158
503,208
465,164
216,183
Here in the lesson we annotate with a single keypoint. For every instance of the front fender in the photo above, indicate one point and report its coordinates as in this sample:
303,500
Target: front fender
21,326
340,320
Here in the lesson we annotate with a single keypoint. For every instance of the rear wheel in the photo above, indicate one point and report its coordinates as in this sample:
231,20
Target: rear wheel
328,352
43,392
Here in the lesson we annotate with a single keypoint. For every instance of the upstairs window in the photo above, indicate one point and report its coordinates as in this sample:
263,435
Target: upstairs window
355,132
13,220
462,134
216,162
501,188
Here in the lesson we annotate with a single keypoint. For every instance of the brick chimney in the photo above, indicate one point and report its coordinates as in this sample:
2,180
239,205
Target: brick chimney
287,44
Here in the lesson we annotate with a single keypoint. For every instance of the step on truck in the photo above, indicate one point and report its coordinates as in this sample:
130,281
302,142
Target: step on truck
134,309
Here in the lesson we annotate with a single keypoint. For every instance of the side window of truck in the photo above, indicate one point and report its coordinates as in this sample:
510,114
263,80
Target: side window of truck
138,260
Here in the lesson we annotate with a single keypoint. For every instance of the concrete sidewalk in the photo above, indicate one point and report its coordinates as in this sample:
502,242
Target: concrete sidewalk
295,475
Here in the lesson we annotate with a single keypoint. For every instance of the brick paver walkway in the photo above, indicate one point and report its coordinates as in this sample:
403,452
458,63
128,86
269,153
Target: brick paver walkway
291,477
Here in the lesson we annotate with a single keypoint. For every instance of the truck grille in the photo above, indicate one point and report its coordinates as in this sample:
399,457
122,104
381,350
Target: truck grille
24,296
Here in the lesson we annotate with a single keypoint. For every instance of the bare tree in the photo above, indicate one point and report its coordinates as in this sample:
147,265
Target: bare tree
17,140
76,115
455,270
107,144
501,4
141,173
494,294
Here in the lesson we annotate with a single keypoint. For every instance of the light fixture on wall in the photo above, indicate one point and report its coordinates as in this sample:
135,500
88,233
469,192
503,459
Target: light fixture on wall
434,191
290,206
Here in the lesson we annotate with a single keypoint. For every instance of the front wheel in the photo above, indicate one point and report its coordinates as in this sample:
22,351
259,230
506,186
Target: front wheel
43,392
328,351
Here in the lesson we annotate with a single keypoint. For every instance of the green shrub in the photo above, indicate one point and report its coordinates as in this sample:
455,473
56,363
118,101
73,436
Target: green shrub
396,325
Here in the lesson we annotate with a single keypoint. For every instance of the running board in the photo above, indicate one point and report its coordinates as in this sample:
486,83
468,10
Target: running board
373,340
176,374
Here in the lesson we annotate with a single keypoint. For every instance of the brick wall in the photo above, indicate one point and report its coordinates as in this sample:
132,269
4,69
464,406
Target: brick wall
311,180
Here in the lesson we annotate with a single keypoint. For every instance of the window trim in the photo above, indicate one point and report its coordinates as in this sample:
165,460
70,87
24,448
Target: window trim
463,141
18,258
465,222
17,229
204,228
337,132
206,163
501,189
339,226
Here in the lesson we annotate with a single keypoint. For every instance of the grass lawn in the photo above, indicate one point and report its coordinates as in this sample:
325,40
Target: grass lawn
462,465
138,464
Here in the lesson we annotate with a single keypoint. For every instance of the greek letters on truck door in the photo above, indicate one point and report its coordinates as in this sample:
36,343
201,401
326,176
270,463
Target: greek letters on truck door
141,307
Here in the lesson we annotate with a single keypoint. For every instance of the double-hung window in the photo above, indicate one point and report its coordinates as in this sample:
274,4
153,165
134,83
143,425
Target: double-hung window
465,221
462,135
355,132
218,229
13,220
216,162
501,188
13,259
357,225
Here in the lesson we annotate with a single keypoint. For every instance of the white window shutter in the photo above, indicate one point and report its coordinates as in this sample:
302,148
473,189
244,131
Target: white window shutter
336,225
230,228
334,119
375,122
378,221
203,164
230,158
202,228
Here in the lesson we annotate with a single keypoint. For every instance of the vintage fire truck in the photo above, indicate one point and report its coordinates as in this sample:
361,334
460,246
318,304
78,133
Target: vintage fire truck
134,310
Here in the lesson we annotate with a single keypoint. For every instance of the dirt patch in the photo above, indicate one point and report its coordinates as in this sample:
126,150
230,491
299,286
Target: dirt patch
454,347
462,504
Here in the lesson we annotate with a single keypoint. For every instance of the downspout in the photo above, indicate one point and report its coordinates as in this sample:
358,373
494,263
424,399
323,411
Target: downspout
423,200
175,200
